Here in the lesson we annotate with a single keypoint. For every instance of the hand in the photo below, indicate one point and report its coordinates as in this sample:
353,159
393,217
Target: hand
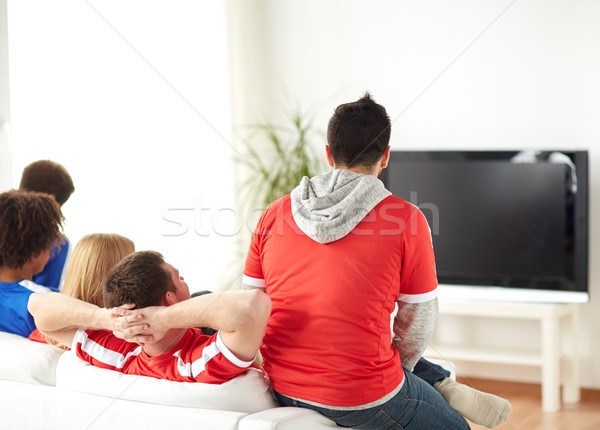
122,318
140,326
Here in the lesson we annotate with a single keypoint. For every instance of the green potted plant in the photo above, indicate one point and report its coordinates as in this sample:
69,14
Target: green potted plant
278,157
274,158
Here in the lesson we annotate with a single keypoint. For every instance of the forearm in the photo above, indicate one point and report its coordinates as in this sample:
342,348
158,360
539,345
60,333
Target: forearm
413,328
55,311
227,311
240,317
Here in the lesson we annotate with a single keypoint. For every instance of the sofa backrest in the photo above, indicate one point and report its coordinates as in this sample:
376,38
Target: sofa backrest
248,392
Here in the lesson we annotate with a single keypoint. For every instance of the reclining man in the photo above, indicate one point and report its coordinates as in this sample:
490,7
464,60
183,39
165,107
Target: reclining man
179,352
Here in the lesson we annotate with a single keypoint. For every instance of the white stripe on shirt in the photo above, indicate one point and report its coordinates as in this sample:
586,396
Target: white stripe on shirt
253,282
418,298
191,370
230,355
208,353
100,353
32,286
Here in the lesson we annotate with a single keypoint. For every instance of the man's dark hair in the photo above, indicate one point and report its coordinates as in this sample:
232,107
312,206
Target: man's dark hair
358,133
139,278
29,224
48,177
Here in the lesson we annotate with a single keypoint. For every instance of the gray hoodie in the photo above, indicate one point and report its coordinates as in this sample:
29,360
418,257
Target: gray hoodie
328,206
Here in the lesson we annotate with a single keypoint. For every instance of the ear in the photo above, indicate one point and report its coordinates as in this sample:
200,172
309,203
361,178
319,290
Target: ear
169,299
385,159
329,157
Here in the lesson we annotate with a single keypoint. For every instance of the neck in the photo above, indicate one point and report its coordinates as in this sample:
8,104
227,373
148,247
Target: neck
168,341
363,170
8,274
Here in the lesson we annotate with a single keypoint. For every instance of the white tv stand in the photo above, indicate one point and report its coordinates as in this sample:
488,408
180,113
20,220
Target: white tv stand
551,317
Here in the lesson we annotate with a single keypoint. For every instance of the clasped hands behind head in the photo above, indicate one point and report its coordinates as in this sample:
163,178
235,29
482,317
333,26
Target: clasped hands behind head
142,326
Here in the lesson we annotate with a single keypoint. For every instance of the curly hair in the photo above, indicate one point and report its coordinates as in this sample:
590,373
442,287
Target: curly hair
48,177
29,224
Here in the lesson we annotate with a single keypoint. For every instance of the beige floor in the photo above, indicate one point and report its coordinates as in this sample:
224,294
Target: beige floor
527,410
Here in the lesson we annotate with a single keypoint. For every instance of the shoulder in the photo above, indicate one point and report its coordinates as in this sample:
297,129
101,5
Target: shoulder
15,296
193,344
399,208
101,339
194,338
281,204
33,287
393,203
102,349
63,247
280,208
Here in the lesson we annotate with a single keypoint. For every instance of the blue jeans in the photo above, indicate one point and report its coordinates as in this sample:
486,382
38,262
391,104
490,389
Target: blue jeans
430,372
417,406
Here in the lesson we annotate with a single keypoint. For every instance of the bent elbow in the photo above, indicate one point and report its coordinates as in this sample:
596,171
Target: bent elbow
259,307
264,306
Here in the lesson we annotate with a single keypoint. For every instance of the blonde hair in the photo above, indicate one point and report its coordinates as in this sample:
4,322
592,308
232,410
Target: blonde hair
92,258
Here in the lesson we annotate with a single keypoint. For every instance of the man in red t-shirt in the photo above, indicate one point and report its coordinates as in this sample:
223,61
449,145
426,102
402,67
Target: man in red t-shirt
176,350
337,256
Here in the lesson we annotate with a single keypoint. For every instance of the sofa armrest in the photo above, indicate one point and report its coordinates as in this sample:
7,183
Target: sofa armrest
286,418
23,360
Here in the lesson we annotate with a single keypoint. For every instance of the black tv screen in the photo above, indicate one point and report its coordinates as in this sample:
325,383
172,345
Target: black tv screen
515,220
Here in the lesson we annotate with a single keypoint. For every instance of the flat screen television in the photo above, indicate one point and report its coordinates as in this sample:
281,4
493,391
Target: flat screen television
506,225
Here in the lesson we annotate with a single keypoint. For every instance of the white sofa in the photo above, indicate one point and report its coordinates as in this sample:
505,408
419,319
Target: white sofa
43,387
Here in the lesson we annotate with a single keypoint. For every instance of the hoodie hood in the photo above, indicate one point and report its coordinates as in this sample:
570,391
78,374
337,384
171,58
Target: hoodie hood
327,207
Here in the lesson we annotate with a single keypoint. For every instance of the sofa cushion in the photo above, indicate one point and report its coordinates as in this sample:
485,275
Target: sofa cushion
248,392
32,407
23,360
286,418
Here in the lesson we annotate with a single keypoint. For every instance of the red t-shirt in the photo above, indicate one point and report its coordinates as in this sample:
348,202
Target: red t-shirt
328,339
195,358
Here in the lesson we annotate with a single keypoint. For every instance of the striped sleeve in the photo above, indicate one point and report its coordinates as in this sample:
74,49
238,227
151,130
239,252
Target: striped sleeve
102,349
418,298
249,283
214,363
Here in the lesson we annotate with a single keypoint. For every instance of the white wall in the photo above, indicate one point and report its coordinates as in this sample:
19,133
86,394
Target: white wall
462,74
5,152
132,97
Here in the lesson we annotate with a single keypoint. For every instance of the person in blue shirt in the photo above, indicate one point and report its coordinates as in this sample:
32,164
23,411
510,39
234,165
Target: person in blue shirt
29,224
46,176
